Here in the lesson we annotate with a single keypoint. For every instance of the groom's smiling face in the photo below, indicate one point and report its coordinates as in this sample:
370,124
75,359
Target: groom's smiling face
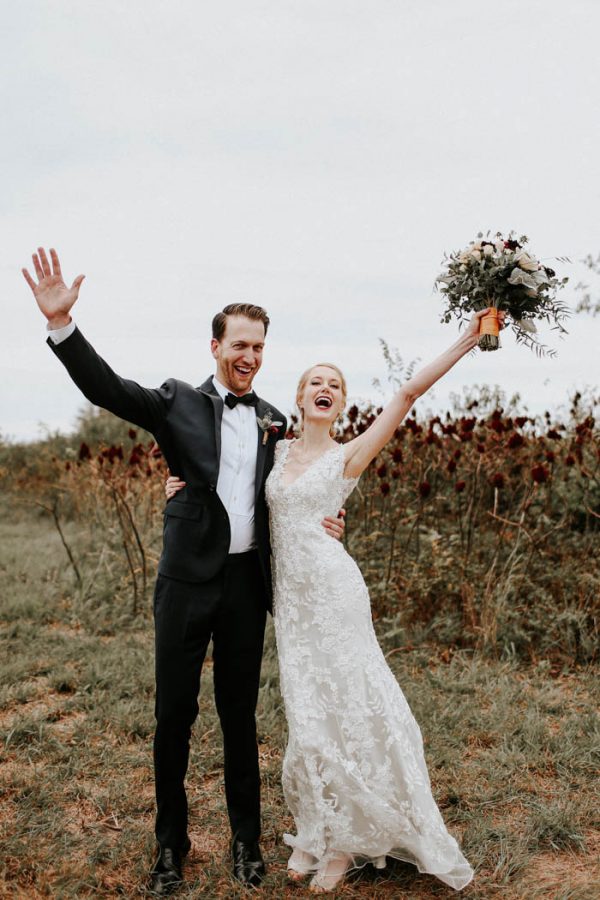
239,353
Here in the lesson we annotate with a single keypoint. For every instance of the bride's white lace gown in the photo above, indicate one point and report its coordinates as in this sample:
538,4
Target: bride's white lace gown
354,773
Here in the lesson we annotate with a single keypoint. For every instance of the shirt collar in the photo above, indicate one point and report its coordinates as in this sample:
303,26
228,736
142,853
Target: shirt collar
222,390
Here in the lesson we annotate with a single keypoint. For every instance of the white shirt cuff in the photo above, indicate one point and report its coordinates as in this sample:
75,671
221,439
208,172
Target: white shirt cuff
58,335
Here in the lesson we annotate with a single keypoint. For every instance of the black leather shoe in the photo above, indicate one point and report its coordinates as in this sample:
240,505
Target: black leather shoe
166,876
248,864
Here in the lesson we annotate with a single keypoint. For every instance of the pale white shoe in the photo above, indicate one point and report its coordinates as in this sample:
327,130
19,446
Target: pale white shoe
300,864
331,875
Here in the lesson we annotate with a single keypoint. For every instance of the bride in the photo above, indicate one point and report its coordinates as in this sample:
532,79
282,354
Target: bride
354,772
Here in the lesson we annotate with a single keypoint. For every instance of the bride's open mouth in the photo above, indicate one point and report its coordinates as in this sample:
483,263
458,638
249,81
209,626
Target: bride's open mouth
323,402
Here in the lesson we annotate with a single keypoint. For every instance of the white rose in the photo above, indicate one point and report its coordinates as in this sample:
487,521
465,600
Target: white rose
464,257
518,276
488,250
475,254
539,277
525,261
499,245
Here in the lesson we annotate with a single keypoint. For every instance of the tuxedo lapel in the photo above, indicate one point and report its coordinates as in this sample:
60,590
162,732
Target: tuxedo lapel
209,390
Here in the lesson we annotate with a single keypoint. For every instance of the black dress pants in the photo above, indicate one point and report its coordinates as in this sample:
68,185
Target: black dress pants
230,609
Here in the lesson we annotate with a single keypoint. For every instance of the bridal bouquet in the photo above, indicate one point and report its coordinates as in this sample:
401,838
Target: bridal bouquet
500,274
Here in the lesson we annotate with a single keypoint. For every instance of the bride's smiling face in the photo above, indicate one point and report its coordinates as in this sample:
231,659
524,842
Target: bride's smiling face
321,394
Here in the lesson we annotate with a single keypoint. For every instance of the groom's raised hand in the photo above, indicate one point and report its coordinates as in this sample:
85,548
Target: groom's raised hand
53,297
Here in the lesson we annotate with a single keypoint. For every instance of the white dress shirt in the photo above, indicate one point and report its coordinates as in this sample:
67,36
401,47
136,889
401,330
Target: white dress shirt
237,468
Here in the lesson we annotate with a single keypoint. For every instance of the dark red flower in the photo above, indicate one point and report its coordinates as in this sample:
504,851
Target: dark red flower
460,486
554,435
384,487
569,460
550,456
466,436
515,440
67,466
424,489
481,448
539,474
520,421
84,451
132,433
451,466
511,245
497,426
381,470
135,458
273,429
395,473
397,455
353,413
498,480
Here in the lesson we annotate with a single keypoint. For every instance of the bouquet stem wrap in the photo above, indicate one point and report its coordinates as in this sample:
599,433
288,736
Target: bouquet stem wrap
489,330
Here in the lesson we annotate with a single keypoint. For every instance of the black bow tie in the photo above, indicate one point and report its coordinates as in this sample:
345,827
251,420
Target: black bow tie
232,400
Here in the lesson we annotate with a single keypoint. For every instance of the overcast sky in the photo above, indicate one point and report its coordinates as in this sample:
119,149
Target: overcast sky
316,157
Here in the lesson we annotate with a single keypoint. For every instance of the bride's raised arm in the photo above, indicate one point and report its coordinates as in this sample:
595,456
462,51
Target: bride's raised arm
364,448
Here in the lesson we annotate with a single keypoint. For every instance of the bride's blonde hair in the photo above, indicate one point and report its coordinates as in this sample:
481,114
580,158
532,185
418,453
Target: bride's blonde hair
302,384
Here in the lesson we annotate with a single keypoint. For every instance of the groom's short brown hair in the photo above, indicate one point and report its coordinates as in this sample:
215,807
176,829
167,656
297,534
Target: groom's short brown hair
219,323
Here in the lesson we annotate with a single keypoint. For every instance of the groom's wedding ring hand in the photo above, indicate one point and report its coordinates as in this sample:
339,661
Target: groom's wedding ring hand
173,484
53,296
335,527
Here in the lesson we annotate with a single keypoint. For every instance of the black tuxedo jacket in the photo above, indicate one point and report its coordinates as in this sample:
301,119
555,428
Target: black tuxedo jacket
186,423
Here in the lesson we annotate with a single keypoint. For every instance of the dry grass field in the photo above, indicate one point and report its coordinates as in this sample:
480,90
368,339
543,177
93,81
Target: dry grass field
512,751
478,535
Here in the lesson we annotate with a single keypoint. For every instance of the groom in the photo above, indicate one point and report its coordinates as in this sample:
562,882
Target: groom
214,579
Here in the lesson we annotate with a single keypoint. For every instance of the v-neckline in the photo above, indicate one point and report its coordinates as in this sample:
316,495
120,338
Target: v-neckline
311,466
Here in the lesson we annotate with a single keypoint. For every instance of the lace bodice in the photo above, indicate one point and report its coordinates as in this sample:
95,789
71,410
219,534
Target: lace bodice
296,510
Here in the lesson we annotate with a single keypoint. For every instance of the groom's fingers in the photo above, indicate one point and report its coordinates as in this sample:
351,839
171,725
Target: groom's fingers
332,527
37,266
29,279
44,261
55,262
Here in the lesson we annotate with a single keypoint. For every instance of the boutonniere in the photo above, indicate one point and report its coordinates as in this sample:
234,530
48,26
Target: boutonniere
268,426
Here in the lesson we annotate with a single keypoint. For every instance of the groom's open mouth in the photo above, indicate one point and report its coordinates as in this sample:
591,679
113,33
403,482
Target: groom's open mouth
244,371
323,402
